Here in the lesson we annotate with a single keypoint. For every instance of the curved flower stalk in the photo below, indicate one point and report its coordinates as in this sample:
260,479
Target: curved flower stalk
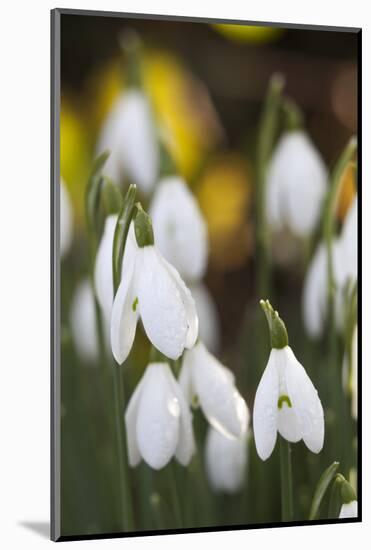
179,227
206,381
130,135
226,461
103,277
315,296
158,420
209,325
83,323
152,289
296,184
286,400
66,225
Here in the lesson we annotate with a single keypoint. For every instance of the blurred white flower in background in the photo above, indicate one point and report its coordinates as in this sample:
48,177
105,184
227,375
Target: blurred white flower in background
349,510
129,133
206,381
83,322
208,317
226,461
153,290
286,402
103,271
158,420
296,185
66,222
179,227
344,259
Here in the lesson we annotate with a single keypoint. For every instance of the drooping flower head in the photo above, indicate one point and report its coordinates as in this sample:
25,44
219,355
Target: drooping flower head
179,227
158,420
286,400
349,508
226,461
152,289
205,380
296,184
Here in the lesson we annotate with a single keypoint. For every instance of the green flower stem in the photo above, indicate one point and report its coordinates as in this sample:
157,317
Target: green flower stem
286,481
123,466
266,137
334,376
175,495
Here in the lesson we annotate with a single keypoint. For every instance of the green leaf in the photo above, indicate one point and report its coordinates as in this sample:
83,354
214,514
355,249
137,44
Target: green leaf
92,195
121,232
322,486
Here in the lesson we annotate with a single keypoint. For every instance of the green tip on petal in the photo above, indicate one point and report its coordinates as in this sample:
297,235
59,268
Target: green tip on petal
143,228
278,332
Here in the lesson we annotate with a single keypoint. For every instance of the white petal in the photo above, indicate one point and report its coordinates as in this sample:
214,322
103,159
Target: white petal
315,293
65,220
131,416
266,410
298,177
103,278
166,306
209,324
287,424
186,443
220,401
83,322
139,147
110,139
306,403
124,316
179,227
349,510
226,461
158,417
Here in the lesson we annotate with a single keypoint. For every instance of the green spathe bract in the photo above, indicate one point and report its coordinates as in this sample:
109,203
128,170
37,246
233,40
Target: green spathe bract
278,332
143,228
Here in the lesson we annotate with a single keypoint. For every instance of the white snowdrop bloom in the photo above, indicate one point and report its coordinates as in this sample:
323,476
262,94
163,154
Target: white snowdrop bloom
153,290
286,402
179,227
296,184
129,134
66,224
349,510
83,322
226,461
103,271
208,317
158,420
205,380
344,260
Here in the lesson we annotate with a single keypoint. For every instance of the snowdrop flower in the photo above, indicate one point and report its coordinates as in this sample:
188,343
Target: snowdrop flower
103,276
226,461
83,322
179,227
349,510
205,380
129,134
296,184
209,326
286,400
158,420
152,289
65,220
344,259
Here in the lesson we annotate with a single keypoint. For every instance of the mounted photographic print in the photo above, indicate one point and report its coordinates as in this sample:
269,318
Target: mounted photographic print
206,179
